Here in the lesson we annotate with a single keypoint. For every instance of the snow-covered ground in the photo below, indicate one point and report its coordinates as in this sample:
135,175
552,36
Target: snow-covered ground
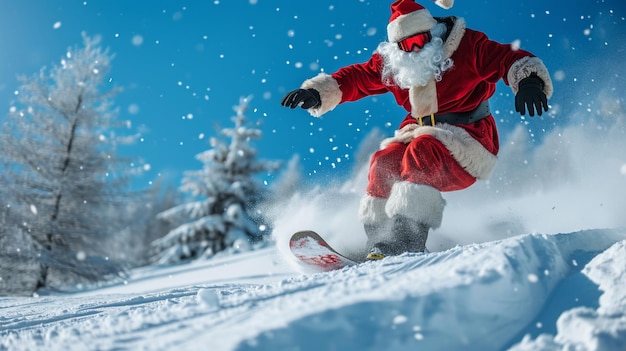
528,292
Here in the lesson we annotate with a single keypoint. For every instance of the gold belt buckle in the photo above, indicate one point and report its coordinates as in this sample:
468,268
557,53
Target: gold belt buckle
420,120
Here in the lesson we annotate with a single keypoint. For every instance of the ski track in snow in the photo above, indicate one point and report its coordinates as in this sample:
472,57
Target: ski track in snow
487,296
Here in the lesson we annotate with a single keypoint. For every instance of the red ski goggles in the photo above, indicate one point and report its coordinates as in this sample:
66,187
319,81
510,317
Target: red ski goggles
415,42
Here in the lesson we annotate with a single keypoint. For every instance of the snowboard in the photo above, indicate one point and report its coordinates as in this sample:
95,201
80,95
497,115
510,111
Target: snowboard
314,252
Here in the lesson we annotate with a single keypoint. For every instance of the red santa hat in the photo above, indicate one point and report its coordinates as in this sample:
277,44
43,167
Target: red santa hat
408,18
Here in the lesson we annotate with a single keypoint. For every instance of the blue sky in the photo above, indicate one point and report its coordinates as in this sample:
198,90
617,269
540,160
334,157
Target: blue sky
183,65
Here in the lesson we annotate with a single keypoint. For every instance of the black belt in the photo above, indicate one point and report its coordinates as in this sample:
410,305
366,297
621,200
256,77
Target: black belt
468,117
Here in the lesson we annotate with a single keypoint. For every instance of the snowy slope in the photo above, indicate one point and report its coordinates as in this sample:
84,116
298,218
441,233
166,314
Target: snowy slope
527,292
512,291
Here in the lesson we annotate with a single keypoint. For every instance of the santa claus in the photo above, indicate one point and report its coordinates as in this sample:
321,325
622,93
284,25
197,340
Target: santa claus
443,74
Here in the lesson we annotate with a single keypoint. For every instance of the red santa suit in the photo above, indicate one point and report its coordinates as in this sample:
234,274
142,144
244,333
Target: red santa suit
419,162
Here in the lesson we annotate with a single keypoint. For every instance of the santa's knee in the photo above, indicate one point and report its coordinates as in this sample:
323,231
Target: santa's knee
425,144
385,169
387,158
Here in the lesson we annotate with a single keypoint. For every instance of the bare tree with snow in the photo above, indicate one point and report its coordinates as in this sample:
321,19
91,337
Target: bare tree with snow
225,192
66,185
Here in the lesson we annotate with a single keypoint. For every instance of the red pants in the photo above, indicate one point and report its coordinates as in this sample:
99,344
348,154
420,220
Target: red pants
425,160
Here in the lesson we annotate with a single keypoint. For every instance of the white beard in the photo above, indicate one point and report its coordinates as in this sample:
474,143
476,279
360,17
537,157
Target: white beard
409,69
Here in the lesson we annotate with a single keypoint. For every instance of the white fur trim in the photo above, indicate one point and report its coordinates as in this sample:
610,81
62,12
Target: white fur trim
372,210
409,24
329,91
446,4
423,99
422,203
454,38
467,151
523,68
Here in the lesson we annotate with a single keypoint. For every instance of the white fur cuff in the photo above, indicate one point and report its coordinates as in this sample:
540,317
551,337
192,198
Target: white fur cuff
422,203
523,68
372,210
329,91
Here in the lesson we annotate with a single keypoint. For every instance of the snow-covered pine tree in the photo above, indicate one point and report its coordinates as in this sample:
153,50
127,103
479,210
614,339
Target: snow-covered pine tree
64,183
224,194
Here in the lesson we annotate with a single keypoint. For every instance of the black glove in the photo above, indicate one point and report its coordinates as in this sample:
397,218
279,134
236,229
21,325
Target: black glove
530,95
306,98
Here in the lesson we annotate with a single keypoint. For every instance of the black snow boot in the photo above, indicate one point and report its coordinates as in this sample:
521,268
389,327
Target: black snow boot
407,235
376,232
